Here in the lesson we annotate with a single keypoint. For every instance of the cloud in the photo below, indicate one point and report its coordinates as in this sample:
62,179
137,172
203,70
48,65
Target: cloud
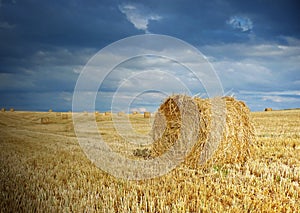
12,1
243,74
242,66
47,60
36,100
5,25
279,99
274,52
241,23
138,17
273,93
258,100
264,74
60,56
55,69
141,109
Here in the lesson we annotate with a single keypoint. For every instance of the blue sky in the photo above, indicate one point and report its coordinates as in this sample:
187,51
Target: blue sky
254,47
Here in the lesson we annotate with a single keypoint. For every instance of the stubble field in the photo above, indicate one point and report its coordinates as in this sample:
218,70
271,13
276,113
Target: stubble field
43,169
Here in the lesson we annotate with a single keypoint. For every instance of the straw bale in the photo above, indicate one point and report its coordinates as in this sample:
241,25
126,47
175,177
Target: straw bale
147,114
11,109
3,109
64,116
235,132
107,113
268,109
45,120
159,126
50,110
121,113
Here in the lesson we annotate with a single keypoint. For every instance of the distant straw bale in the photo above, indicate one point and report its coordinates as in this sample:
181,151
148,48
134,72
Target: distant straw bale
268,109
64,116
3,109
45,120
236,136
50,110
135,112
107,113
11,109
121,113
147,114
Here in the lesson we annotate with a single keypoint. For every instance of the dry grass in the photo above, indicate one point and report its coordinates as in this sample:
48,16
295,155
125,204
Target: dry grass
44,170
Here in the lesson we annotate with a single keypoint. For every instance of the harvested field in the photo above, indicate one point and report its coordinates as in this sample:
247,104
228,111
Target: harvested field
43,169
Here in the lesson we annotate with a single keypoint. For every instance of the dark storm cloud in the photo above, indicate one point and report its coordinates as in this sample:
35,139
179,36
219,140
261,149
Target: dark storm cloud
49,25
45,44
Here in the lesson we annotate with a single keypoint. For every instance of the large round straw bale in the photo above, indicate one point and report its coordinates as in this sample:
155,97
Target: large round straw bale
235,131
159,126
268,109
147,114
3,109
11,109
135,112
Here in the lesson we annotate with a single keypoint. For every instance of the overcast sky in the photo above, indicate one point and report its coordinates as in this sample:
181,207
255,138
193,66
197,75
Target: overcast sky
254,47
